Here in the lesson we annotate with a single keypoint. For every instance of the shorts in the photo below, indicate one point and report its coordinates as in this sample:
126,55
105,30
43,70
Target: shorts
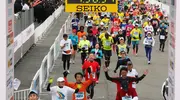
75,47
135,42
107,53
66,57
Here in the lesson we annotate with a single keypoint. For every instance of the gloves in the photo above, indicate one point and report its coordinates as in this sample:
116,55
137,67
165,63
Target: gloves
76,91
134,37
50,80
89,70
65,74
114,71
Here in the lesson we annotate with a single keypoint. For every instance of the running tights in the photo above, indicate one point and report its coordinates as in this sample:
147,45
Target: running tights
107,61
64,64
136,47
83,57
90,90
162,45
148,52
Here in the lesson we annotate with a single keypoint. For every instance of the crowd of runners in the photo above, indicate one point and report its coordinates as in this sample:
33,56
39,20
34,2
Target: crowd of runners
134,21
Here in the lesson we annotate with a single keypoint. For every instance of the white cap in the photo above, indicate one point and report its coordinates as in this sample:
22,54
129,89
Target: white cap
60,79
89,16
101,23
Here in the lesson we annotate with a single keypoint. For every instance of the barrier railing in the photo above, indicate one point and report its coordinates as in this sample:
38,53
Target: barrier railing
25,33
21,95
42,75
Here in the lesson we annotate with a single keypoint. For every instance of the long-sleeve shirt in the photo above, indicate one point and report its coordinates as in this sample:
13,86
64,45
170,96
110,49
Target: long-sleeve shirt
149,41
124,82
148,28
81,95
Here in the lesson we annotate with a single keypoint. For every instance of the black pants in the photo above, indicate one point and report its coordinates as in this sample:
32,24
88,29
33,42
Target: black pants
90,90
129,40
155,31
66,61
162,44
85,18
83,57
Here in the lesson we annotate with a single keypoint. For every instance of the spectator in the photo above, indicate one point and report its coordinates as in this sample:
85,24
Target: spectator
17,6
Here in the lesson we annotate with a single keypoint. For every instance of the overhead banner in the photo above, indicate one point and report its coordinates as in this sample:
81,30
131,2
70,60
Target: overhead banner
91,5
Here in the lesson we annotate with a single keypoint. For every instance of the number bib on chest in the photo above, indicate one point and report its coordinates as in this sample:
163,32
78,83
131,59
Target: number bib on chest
136,34
79,96
85,46
162,37
93,75
108,43
126,98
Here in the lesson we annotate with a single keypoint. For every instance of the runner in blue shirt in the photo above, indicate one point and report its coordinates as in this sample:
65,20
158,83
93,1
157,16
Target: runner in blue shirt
74,39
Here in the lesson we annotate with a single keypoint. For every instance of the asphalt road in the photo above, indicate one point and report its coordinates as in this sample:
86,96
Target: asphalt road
148,89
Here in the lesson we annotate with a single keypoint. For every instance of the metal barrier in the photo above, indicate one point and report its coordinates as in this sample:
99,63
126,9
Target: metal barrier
23,20
42,75
21,95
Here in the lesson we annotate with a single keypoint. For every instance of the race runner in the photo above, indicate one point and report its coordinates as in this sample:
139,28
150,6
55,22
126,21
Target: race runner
95,69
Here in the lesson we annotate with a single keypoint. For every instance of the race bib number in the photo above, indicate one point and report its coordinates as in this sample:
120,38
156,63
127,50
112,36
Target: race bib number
134,85
115,33
66,46
108,43
93,75
154,22
79,96
126,98
85,46
91,43
122,49
123,28
162,37
75,24
136,34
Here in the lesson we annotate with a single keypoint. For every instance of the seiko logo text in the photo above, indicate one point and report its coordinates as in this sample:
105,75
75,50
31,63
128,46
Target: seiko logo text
86,8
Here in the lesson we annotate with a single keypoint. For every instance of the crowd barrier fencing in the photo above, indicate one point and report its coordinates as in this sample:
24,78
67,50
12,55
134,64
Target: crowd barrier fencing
25,32
42,75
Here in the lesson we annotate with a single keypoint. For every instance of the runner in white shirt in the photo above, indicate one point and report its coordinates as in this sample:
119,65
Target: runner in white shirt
66,46
60,92
132,72
148,28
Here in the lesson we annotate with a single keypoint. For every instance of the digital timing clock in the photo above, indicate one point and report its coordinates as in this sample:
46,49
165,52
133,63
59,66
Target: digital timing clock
91,5
91,1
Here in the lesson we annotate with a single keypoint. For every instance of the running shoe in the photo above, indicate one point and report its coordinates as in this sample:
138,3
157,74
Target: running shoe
68,71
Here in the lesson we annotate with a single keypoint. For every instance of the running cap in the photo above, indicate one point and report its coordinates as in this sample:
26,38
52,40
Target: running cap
33,92
129,63
89,16
123,52
121,38
60,79
149,32
101,23
136,24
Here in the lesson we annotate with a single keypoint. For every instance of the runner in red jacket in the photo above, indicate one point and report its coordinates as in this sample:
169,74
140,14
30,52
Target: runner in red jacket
124,84
95,68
